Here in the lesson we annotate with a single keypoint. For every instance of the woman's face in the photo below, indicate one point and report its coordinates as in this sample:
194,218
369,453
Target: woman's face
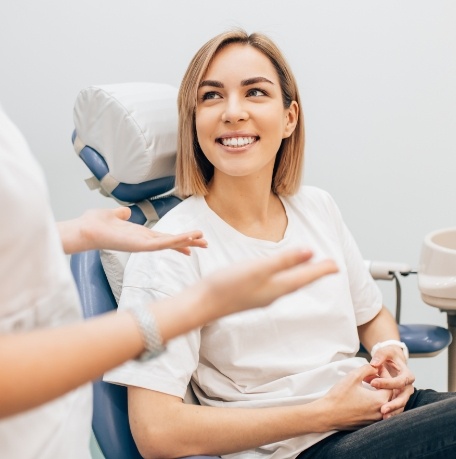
240,117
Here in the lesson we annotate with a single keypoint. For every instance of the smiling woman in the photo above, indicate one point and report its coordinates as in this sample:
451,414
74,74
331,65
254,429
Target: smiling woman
240,115
271,78
279,382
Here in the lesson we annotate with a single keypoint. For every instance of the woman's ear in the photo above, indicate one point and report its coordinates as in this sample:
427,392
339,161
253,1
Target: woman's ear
291,119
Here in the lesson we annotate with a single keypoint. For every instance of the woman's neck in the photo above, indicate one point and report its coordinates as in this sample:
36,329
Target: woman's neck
249,206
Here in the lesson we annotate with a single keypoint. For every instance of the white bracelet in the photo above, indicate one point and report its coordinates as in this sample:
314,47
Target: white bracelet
391,342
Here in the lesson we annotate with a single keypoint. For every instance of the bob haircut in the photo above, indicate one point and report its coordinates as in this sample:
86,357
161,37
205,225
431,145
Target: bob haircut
193,170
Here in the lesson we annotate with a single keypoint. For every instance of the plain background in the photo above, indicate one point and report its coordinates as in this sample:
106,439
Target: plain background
377,81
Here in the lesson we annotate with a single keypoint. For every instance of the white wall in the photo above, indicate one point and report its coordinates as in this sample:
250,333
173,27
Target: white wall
377,82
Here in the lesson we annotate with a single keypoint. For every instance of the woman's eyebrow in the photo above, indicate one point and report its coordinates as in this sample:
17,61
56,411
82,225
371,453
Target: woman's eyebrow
214,83
255,80
247,82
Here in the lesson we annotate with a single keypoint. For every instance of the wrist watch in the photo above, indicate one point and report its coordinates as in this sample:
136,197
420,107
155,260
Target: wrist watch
153,342
391,342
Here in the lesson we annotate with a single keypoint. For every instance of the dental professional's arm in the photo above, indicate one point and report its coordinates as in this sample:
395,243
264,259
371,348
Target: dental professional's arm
165,427
39,366
109,229
398,376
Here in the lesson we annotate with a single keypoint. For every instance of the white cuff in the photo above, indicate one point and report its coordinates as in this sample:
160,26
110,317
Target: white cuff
391,342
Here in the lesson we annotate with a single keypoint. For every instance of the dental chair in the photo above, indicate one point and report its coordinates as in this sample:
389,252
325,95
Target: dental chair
137,125
126,135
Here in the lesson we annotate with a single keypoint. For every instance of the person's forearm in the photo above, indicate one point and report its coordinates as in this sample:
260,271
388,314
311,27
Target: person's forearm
61,359
381,328
228,431
70,235
188,430
164,427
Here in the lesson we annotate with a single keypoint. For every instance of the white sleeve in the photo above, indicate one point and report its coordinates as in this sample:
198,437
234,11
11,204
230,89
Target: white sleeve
170,372
366,296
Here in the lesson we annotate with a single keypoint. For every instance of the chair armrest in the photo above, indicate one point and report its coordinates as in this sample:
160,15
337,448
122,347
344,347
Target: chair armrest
383,270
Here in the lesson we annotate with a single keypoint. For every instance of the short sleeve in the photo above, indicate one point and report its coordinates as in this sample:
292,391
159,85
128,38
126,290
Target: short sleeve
170,372
366,296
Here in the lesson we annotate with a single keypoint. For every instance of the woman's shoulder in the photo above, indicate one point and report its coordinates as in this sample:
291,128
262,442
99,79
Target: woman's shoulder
314,202
312,195
187,215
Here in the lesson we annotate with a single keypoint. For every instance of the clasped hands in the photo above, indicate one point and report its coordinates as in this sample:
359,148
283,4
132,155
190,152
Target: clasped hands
370,393
393,375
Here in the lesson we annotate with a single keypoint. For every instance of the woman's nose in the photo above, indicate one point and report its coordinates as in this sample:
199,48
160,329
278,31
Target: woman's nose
234,111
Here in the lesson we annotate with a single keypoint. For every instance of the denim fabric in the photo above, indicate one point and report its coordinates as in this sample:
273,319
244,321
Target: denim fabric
426,429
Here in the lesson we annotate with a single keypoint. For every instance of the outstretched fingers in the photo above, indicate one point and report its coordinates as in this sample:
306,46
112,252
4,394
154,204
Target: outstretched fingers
301,274
179,242
110,229
260,282
268,279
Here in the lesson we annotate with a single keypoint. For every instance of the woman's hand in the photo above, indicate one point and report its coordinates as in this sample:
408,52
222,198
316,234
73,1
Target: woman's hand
109,229
353,403
398,378
389,361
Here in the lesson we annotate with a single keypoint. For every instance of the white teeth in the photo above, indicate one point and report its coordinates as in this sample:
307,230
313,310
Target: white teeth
237,141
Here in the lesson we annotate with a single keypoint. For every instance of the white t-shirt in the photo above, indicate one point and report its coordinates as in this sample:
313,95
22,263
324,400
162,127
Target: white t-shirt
37,291
289,353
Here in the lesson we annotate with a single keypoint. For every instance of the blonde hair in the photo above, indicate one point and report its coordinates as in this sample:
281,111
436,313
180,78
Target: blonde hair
193,170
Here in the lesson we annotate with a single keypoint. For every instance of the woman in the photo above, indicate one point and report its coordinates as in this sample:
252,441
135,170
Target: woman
46,351
282,381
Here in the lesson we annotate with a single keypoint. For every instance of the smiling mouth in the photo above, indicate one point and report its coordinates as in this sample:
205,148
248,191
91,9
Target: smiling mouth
237,142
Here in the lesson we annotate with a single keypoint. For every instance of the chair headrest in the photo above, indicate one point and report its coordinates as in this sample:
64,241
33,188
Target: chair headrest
127,136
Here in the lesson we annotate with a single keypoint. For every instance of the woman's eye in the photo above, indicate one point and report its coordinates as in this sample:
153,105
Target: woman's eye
256,92
210,95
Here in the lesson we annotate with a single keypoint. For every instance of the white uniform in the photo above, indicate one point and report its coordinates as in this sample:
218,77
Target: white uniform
288,353
37,291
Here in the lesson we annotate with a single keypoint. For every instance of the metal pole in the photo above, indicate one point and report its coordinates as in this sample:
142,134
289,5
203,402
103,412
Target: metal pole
451,317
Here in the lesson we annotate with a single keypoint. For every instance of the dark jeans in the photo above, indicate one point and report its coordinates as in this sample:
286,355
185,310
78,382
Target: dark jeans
426,429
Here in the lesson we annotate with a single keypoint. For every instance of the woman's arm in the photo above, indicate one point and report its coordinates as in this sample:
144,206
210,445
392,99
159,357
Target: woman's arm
44,364
381,328
164,427
109,229
41,365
